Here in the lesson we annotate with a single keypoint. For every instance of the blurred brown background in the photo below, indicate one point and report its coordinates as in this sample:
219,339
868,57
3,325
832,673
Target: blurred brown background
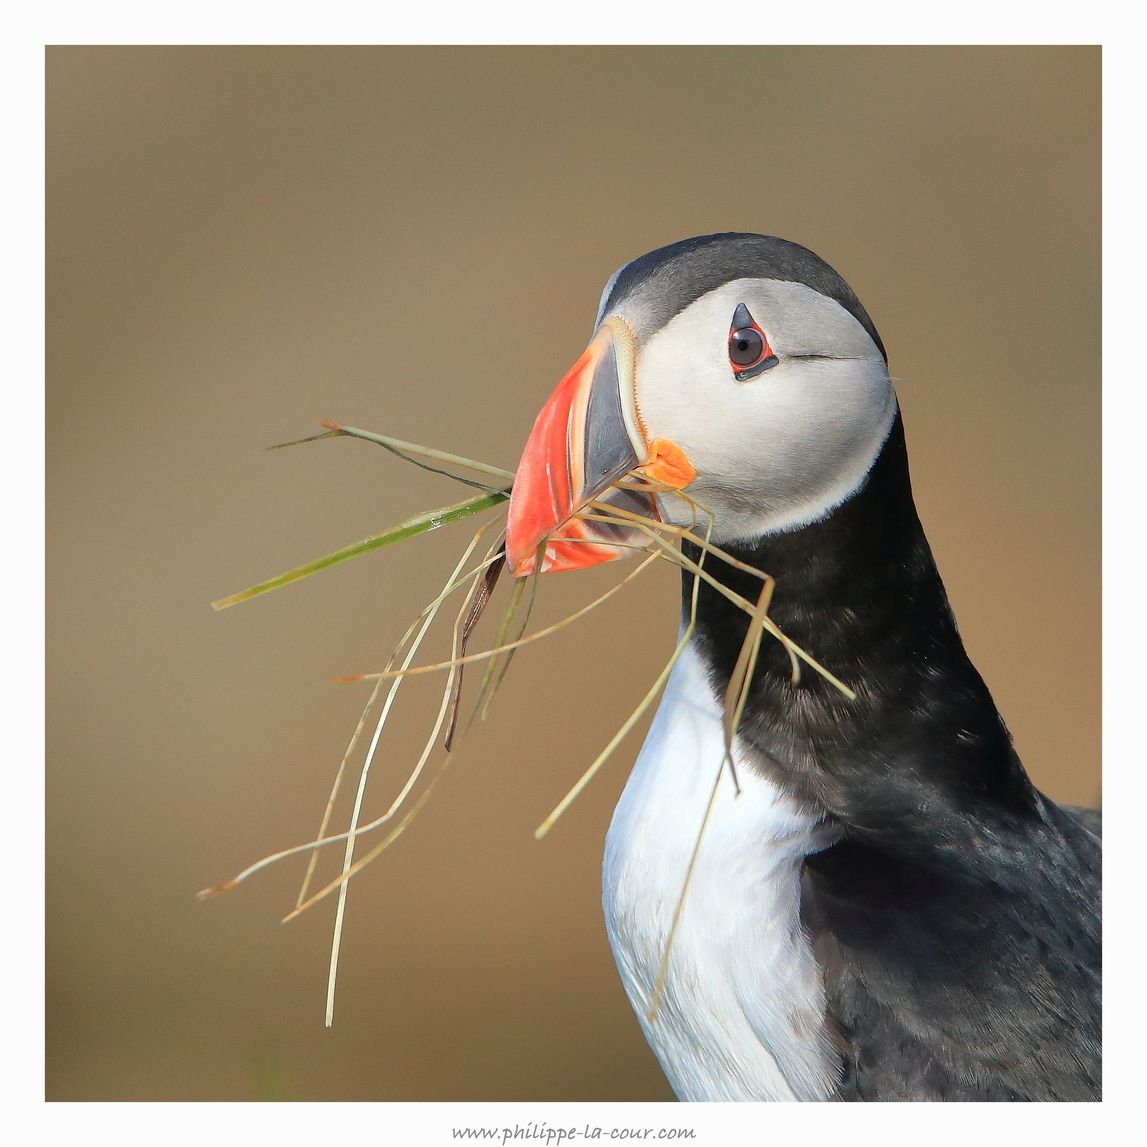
243,241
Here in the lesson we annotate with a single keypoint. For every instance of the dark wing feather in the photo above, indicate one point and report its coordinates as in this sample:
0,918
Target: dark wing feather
1090,818
944,986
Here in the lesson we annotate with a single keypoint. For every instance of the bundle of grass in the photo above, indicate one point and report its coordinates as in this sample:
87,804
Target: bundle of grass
656,540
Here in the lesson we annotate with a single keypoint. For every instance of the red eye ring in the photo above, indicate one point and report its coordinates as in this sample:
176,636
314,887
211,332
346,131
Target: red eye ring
749,350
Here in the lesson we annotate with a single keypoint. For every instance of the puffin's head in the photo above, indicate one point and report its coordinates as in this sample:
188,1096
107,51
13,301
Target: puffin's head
740,369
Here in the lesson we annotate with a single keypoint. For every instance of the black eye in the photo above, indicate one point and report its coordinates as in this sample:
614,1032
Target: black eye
746,346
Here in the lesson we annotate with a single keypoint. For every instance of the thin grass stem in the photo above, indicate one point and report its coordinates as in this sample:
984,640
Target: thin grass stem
679,907
405,449
352,833
541,831
321,841
537,635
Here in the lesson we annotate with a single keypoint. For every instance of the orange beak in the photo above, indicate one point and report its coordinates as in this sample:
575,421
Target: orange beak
587,437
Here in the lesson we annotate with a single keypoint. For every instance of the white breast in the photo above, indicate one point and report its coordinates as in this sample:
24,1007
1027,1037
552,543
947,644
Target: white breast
742,1012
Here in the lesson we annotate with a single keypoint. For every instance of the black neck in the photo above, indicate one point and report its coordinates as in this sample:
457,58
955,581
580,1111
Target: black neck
921,754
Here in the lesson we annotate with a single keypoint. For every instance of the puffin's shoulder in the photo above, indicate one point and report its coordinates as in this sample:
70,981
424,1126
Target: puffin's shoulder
941,983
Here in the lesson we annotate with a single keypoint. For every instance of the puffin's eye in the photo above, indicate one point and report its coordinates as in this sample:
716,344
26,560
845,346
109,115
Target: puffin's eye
749,350
745,346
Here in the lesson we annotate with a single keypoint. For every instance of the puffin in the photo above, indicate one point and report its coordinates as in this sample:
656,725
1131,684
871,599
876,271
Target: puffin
882,906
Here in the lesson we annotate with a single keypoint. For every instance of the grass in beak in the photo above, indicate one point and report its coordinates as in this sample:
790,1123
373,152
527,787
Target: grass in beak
482,579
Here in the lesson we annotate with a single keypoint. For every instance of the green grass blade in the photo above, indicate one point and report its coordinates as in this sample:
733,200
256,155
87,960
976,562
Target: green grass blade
412,527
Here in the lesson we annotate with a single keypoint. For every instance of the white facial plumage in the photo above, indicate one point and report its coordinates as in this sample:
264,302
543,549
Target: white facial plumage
780,450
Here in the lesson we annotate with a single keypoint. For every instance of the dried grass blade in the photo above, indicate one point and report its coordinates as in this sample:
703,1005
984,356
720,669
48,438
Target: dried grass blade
323,841
348,855
506,620
312,862
654,529
479,599
616,739
740,680
679,908
499,666
344,878
406,449
663,968
378,849
529,639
